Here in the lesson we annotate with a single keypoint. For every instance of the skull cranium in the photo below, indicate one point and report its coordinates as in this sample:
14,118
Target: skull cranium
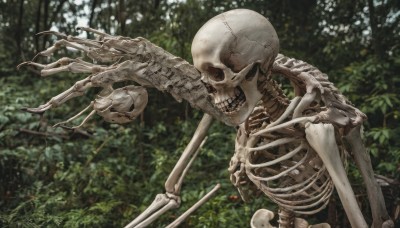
231,51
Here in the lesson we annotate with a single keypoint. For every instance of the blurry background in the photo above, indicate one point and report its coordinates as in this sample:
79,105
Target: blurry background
105,174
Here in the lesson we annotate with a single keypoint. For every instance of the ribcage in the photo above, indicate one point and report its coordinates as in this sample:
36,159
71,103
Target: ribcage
289,172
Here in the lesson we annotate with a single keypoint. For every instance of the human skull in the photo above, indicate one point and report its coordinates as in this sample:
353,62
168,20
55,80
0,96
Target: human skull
123,105
231,50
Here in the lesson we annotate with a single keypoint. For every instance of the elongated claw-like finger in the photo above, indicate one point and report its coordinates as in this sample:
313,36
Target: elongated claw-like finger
75,116
66,128
74,67
60,124
39,110
58,34
66,64
59,44
87,29
87,118
62,61
76,90
28,63
91,43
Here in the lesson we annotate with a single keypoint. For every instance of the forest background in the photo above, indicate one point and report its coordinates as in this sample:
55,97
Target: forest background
105,174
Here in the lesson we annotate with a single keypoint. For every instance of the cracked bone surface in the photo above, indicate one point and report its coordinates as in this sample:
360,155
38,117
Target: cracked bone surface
261,219
122,105
277,151
234,53
230,56
119,106
171,199
322,139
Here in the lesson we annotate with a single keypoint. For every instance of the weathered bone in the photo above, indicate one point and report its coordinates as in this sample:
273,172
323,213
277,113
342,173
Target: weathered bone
227,51
148,65
322,139
205,198
218,58
198,137
102,79
141,62
59,44
292,106
377,203
300,120
301,223
304,103
261,219
87,118
122,105
161,204
315,196
274,100
171,199
74,117
236,63
313,79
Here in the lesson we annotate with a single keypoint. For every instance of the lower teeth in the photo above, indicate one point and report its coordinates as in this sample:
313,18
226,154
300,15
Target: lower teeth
233,106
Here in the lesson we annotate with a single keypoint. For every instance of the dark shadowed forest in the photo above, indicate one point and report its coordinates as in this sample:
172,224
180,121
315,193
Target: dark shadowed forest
104,175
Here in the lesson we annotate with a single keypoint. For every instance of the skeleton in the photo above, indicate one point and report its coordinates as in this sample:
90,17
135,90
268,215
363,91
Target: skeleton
291,150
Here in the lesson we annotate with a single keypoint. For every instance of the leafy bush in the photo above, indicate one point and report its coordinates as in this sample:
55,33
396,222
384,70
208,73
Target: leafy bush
104,174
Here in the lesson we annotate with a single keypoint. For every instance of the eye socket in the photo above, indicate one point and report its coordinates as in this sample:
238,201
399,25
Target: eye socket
216,74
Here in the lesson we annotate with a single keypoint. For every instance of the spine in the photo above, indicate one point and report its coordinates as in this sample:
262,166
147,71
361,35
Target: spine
166,72
274,100
286,218
303,76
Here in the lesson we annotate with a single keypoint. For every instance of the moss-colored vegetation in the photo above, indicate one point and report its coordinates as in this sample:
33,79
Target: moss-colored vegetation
106,174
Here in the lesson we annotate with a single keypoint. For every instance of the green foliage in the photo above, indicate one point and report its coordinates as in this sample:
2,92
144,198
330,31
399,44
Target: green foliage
67,180
106,174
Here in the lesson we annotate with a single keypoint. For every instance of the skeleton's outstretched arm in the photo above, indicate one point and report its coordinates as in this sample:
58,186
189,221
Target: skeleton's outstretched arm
144,63
171,199
123,59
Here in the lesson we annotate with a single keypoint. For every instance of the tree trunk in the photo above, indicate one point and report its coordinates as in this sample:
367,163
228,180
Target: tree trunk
55,13
18,32
91,17
378,49
37,24
156,4
122,16
45,23
110,12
